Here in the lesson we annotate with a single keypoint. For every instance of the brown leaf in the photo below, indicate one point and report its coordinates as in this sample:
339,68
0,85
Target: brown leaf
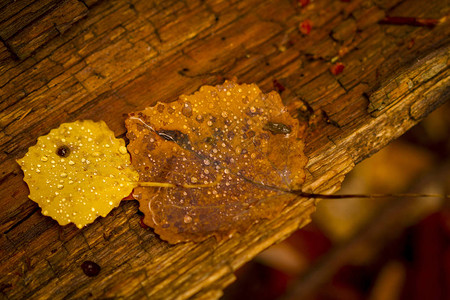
231,151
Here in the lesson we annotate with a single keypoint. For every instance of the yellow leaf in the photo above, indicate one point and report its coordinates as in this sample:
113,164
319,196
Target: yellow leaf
77,172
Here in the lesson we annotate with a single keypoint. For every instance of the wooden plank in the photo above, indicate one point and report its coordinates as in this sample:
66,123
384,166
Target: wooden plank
55,20
18,14
4,53
125,56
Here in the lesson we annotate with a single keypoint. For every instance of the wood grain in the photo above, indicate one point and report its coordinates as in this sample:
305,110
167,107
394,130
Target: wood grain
123,56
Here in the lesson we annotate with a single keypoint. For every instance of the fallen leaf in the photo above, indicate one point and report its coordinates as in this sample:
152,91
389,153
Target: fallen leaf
77,172
230,152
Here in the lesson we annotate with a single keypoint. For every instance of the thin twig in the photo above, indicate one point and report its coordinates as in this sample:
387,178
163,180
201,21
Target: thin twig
411,21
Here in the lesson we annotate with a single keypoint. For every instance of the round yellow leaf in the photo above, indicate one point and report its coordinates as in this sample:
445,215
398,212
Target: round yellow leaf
77,172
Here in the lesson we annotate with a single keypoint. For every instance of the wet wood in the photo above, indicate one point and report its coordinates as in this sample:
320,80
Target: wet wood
48,20
104,59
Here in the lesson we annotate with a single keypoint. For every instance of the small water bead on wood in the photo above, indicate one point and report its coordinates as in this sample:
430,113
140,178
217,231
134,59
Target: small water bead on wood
90,268
77,172
230,152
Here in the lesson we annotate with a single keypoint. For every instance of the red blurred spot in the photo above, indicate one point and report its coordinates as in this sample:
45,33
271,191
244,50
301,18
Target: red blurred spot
278,86
303,3
305,27
337,68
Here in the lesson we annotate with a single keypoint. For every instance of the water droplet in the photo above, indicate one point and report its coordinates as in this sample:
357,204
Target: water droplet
194,179
60,186
63,151
207,162
63,175
90,268
44,158
187,219
123,150
187,109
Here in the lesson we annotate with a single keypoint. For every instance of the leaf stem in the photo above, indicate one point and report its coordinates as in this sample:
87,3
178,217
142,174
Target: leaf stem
367,196
172,185
155,184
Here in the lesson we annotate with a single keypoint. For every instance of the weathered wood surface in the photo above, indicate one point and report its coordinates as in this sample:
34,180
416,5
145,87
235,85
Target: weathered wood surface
105,59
